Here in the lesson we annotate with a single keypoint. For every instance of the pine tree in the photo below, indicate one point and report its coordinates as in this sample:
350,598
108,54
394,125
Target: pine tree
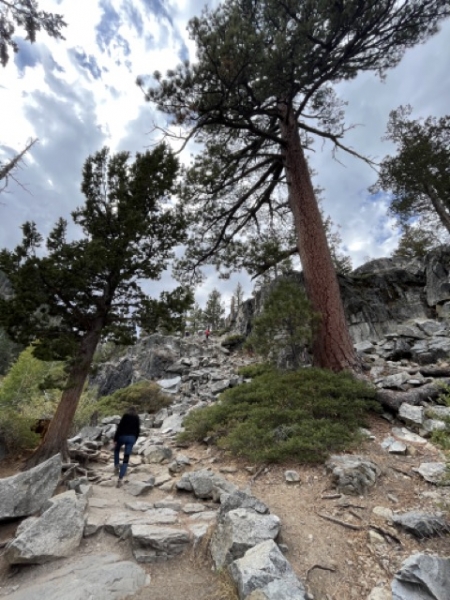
418,176
80,292
214,310
26,14
261,86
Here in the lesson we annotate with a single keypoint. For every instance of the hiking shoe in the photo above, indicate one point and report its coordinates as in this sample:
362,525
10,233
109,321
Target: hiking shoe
119,483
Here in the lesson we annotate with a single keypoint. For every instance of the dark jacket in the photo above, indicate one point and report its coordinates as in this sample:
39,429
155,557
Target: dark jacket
129,425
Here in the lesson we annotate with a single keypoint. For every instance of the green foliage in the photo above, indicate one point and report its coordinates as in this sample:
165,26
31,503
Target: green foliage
303,416
15,432
416,241
9,352
254,370
32,386
214,310
255,63
418,176
25,14
146,396
285,326
233,341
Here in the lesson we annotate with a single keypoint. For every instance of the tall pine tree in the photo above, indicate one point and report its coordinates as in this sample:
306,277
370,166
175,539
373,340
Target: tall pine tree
261,86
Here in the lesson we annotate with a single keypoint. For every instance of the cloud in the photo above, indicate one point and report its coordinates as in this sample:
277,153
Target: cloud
88,63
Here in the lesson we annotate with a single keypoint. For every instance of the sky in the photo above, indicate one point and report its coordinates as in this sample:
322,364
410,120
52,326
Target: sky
79,94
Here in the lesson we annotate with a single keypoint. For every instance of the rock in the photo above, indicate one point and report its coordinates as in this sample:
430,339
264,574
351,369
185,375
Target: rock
205,484
264,573
120,524
380,593
421,524
173,423
220,386
238,531
198,531
422,577
92,525
139,506
408,436
240,499
365,346
156,454
153,544
137,488
397,448
291,477
353,475
170,386
430,425
438,412
434,472
169,502
102,576
24,494
192,508
395,381
411,414
55,534
382,511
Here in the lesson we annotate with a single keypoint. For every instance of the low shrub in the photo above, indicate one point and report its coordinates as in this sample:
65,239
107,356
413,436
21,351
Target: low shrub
303,415
146,396
15,432
255,369
233,341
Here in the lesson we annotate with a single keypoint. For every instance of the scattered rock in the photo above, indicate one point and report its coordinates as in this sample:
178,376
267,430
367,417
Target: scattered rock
291,477
434,472
153,544
422,525
353,475
422,577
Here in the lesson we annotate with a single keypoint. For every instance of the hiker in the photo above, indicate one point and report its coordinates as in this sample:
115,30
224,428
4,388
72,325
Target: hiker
126,435
207,333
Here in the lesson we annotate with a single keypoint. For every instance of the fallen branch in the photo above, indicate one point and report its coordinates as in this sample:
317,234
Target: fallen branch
339,522
323,567
388,536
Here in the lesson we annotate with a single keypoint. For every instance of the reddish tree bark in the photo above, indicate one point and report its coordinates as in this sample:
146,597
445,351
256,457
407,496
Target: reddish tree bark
333,347
55,440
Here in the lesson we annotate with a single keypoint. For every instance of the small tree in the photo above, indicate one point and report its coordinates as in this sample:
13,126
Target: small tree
214,310
26,14
239,294
418,176
83,291
195,317
286,325
416,241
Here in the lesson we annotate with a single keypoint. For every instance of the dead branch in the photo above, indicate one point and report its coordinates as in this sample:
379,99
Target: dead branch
339,522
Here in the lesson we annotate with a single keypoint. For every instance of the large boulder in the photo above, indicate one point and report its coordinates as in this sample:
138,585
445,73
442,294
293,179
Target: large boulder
422,525
154,544
264,573
102,576
238,531
55,534
26,493
422,577
205,484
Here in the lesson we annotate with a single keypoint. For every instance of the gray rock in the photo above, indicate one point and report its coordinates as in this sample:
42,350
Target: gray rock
120,524
353,475
365,346
170,386
24,494
153,544
411,414
422,577
397,448
156,454
380,593
430,425
220,386
434,472
173,423
240,499
405,435
421,524
291,476
438,412
192,508
238,531
205,484
55,534
137,488
102,576
395,381
265,569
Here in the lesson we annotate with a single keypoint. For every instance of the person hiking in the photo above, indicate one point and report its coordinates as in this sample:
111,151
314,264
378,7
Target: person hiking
207,333
127,433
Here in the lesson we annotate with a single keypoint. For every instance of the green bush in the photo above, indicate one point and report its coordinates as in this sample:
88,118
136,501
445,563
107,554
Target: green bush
255,369
15,432
303,415
233,341
146,396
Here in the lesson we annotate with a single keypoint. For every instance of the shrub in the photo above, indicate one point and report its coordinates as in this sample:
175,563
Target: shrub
15,432
146,396
255,369
233,341
303,415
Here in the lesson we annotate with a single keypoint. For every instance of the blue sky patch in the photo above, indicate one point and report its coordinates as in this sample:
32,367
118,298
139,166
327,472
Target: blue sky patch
28,55
134,17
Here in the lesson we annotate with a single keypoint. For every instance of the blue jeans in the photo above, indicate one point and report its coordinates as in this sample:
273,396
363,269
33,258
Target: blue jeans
128,441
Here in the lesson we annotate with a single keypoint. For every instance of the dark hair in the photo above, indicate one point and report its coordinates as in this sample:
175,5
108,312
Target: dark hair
131,410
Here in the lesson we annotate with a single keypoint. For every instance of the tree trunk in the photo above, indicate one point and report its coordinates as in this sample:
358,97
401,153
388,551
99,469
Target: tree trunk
333,348
55,440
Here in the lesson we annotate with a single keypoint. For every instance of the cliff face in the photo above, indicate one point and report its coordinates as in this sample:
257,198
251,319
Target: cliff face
380,295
